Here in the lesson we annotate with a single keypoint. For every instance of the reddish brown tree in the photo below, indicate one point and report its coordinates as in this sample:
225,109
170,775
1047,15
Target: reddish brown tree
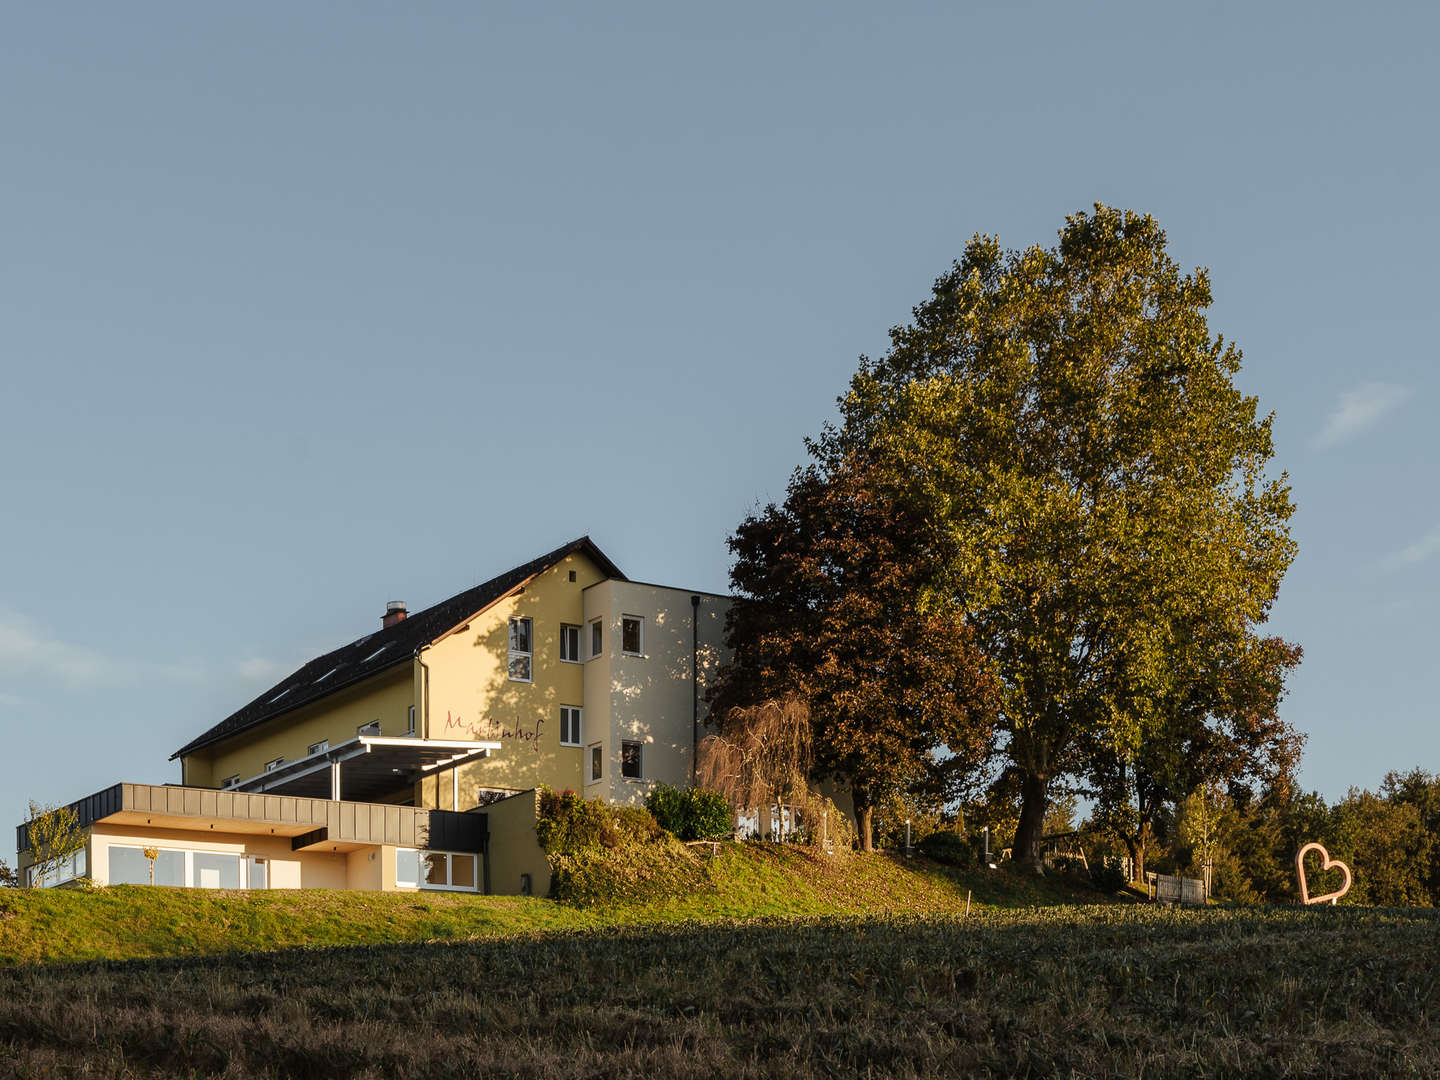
833,607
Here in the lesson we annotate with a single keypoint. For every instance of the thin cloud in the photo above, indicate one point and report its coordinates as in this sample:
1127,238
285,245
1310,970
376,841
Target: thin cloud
258,669
10,700
1424,548
1359,409
27,648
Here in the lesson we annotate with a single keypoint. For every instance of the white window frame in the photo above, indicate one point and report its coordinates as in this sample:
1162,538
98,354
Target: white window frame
640,753
230,781
640,623
449,870
597,753
597,648
190,853
411,731
514,653
274,763
71,868
565,628
372,728
577,716
317,748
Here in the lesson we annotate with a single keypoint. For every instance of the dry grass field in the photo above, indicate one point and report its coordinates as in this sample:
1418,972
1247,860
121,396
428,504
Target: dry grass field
771,963
1069,991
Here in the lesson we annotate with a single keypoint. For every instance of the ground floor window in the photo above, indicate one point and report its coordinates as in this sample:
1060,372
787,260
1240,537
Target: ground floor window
186,869
451,870
67,869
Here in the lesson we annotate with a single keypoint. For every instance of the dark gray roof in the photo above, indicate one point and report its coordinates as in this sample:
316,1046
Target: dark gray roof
385,648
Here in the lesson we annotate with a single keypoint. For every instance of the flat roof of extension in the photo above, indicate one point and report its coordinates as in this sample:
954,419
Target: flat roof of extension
311,823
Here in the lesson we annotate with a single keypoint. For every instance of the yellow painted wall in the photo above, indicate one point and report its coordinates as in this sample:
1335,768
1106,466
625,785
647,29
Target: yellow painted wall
471,697
386,697
514,847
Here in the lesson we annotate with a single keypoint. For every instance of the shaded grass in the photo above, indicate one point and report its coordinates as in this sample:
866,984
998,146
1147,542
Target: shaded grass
745,881
1078,991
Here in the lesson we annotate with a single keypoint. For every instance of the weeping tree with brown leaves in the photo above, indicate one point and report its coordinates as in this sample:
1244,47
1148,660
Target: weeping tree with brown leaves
761,757
832,610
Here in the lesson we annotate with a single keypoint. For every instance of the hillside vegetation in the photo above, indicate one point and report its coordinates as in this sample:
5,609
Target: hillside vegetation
679,884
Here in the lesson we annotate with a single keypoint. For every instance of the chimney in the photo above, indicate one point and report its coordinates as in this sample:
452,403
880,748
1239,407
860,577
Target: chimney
394,612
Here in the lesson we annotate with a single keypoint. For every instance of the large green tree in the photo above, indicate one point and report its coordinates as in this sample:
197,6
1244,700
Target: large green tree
1094,488
829,608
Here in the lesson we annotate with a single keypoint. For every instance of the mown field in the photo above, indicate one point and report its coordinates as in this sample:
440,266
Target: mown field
1074,991
771,962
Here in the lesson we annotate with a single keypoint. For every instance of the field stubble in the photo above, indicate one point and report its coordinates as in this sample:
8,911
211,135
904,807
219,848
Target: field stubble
1087,991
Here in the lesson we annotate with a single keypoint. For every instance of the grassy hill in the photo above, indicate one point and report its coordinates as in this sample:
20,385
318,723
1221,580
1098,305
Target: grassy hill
744,881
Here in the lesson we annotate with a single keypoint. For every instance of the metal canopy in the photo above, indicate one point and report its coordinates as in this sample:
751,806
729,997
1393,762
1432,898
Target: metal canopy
366,768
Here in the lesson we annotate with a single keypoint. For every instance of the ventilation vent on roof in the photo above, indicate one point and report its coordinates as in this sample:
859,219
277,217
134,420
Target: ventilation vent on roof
394,612
327,674
374,654
278,696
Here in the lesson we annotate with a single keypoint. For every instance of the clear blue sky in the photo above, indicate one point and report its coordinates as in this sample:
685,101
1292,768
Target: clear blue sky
308,307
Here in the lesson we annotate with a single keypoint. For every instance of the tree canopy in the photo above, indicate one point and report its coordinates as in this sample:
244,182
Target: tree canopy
1089,487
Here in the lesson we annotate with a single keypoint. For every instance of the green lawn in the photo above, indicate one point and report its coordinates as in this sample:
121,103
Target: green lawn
746,881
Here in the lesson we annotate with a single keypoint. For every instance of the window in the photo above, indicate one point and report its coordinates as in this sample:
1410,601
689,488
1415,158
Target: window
372,728
594,638
596,760
231,781
271,766
569,725
257,869
449,870
521,651
318,747
188,869
632,635
631,761
411,730
569,643
67,869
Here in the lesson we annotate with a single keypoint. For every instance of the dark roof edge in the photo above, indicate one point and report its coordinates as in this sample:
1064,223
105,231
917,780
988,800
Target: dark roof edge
201,741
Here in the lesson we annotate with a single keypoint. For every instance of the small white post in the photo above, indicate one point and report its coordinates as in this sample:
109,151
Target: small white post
967,903
335,780
907,837
455,789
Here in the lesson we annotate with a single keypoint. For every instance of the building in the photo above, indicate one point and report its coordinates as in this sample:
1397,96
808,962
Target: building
410,757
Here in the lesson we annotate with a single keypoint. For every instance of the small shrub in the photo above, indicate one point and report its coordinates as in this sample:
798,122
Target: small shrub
691,813
947,848
1107,876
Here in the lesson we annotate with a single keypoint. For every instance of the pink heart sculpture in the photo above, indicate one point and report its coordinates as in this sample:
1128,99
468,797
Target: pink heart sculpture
1326,863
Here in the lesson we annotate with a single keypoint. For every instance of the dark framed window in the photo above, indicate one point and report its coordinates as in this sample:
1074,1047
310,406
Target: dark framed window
597,760
632,760
632,635
595,638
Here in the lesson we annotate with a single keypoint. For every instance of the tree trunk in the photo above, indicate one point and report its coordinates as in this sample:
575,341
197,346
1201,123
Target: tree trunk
1033,802
864,812
1141,837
